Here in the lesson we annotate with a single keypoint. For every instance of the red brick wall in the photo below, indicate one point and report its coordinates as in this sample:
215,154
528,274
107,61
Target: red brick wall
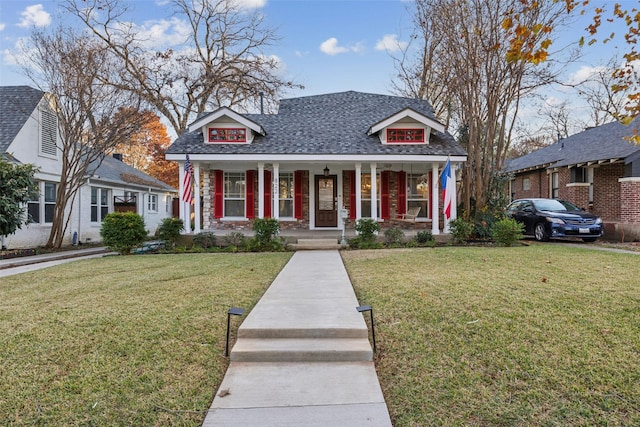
606,191
630,200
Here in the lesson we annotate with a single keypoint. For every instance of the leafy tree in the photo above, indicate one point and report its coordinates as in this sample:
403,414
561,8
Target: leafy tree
17,187
221,62
90,118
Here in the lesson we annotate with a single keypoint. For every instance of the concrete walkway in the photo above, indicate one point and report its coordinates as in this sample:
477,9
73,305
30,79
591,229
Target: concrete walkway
302,357
13,266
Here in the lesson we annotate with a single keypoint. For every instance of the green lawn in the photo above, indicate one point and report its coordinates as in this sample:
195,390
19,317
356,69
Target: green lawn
542,335
532,335
122,341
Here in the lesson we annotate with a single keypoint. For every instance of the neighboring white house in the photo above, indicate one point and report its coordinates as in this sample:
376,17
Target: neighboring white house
28,135
321,163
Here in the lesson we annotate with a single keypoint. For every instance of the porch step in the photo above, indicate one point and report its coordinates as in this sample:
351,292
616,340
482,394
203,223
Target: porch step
315,244
302,350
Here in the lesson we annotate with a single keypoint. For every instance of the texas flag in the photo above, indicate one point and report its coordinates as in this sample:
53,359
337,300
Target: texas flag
448,187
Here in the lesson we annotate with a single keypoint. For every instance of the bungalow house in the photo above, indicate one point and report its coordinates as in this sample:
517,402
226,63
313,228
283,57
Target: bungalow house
597,170
28,134
321,163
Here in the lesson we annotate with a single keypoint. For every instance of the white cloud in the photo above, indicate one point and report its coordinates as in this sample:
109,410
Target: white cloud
390,43
250,4
35,15
331,47
2,25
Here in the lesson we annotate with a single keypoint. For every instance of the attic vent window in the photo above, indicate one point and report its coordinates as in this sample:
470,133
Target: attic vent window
48,133
405,135
227,135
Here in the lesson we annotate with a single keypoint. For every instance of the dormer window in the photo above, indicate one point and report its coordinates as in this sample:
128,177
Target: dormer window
227,135
405,135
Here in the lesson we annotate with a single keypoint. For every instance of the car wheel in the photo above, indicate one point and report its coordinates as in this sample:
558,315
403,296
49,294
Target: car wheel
540,232
589,239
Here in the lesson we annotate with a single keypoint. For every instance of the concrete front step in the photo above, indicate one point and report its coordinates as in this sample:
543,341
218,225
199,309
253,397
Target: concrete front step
302,333
316,244
302,350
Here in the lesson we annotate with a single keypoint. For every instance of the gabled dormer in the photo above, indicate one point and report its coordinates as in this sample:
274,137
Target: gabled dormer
406,127
225,126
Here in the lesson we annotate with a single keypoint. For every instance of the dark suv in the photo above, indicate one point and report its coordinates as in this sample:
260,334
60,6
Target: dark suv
550,218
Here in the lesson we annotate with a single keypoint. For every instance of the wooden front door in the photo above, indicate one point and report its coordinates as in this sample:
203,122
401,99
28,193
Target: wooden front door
326,197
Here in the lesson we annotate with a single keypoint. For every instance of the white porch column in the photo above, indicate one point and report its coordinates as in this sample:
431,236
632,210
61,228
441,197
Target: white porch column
358,195
374,191
196,199
260,190
276,191
435,200
182,206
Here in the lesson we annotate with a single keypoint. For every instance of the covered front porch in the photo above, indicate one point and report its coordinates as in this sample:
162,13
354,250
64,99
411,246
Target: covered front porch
321,196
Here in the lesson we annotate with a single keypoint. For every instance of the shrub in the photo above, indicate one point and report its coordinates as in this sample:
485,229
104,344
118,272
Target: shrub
170,229
461,230
359,243
265,236
424,237
205,240
235,239
393,236
507,231
367,229
123,231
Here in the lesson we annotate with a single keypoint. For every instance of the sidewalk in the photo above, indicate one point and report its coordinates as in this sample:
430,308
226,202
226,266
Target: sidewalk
11,266
302,357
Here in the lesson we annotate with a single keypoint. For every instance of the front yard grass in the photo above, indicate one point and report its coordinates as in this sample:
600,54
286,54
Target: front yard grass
122,341
543,335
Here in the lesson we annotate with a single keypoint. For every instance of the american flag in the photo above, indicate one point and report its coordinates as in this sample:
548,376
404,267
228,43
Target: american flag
187,193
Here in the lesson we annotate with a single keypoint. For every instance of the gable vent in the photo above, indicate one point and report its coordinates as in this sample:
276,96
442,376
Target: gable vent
48,133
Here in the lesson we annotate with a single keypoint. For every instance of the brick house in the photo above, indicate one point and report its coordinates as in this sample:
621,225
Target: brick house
29,135
321,163
597,170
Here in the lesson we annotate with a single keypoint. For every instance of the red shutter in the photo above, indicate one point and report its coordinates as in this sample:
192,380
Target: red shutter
297,193
250,176
267,194
352,195
384,195
218,193
402,192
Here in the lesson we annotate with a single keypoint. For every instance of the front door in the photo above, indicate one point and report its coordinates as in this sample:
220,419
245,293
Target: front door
326,197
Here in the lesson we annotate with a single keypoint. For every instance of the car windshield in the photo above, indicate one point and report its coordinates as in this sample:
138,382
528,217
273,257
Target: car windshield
549,205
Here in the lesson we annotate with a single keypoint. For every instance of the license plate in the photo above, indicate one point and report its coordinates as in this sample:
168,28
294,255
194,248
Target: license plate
584,230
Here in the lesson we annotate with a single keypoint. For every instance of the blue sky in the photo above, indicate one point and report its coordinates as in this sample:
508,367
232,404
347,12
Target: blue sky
325,45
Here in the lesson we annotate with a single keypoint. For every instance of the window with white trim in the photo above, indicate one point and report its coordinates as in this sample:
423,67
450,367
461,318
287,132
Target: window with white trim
526,184
40,210
234,194
555,185
152,203
285,202
48,133
418,193
227,135
365,195
99,203
405,135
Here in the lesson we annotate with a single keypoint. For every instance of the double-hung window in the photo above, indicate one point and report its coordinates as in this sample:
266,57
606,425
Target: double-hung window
99,203
152,203
234,194
365,195
555,185
42,208
285,184
418,193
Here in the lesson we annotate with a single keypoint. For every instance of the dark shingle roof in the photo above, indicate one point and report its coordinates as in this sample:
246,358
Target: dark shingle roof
326,124
115,170
16,105
604,142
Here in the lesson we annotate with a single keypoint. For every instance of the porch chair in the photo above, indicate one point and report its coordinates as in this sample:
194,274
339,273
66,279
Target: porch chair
411,214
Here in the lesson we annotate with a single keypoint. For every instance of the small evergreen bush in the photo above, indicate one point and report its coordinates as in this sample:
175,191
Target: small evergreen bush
367,229
507,231
424,236
394,236
235,240
205,240
123,231
266,236
169,230
461,230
